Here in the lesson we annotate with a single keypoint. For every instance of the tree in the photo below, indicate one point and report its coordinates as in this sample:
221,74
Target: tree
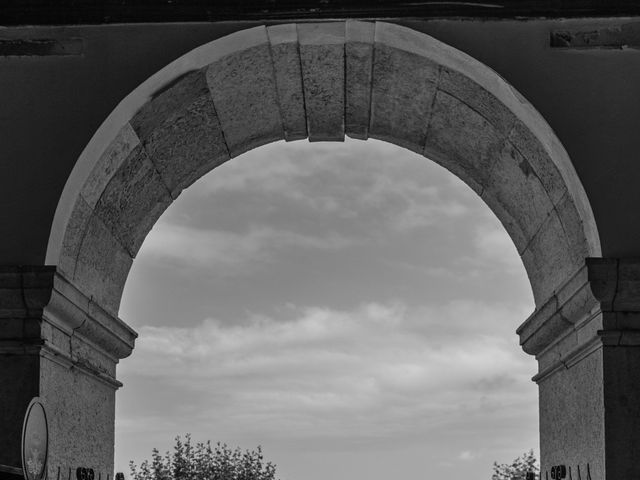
518,469
202,462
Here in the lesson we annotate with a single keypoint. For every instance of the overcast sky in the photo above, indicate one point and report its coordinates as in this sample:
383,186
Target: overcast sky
351,307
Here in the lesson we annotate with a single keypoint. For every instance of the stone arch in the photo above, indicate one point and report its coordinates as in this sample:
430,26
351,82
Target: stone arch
319,81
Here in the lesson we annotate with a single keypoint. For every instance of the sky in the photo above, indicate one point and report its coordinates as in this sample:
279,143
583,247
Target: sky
350,307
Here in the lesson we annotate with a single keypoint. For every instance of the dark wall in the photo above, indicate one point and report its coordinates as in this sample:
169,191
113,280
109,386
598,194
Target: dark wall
50,106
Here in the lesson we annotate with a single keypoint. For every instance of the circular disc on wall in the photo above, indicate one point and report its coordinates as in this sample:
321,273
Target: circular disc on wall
35,441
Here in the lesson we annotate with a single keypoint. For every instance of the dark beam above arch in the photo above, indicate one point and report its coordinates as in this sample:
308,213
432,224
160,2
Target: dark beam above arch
83,12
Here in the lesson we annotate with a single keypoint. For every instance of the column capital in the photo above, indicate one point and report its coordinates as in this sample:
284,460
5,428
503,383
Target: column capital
35,299
599,305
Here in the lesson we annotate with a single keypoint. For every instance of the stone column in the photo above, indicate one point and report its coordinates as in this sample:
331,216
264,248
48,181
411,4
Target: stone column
586,339
58,344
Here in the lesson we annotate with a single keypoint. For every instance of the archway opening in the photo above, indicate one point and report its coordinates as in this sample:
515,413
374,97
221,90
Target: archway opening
350,307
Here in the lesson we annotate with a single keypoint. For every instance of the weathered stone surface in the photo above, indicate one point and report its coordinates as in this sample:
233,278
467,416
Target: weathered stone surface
79,406
403,88
515,194
572,418
73,236
133,200
546,259
83,353
323,76
573,228
116,153
243,89
359,72
483,102
531,148
103,265
461,140
72,312
176,96
187,145
288,75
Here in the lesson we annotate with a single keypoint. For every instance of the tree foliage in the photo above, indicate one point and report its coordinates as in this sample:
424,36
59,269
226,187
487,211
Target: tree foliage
204,462
516,470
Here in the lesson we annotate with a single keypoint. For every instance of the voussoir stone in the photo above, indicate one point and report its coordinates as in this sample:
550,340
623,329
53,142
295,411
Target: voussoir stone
108,163
76,227
482,101
133,200
103,265
461,140
285,52
402,96
170,99
359,74
243,88
516,195
546,259
539,159
573,228
180,131
322,60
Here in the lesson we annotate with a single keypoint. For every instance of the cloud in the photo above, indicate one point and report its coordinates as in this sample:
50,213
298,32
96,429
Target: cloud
229,252
467,455
350,180
379,373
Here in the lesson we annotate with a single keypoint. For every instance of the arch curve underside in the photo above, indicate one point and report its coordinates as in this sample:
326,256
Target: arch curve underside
322,81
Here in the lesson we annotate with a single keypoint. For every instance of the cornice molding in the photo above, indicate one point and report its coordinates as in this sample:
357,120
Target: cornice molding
608,286
31,294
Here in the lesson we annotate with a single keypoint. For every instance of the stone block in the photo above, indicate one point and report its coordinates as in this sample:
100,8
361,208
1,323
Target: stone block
57,338
323,77
461,140
109,162
539,159
572,418
87,355
74,232
573,227
359,73
547,259
243,89
402,92
516,196
482,101
175,96
103,266
133,200
81,410
188,145
285,53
